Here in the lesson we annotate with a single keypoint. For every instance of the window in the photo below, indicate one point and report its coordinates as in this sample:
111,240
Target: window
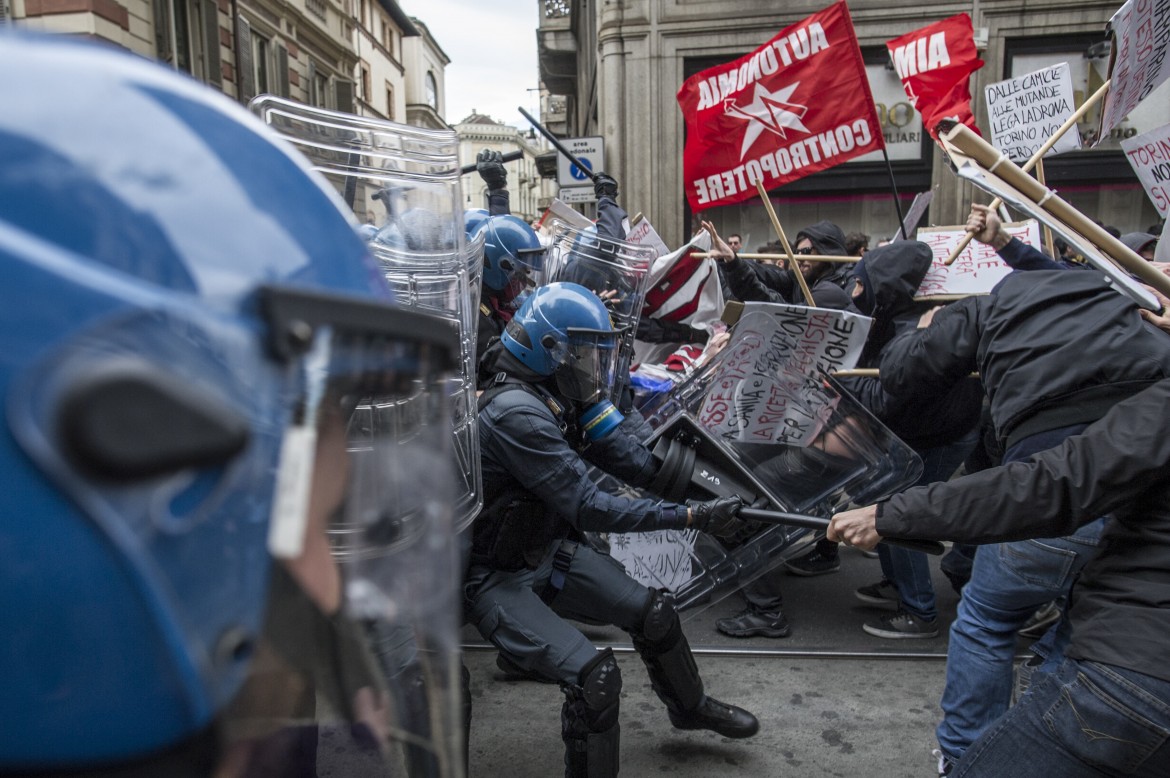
318,86
366,92
389,102
388,38
432,88
261,67
187,36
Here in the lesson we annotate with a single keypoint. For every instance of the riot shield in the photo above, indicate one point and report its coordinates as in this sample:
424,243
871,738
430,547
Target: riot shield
779,434
403,184
617,271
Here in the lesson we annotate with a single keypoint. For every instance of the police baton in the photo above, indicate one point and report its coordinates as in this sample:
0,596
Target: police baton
511,156
557,145
816,522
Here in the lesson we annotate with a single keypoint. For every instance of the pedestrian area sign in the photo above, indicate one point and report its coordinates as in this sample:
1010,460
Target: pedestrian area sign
591,152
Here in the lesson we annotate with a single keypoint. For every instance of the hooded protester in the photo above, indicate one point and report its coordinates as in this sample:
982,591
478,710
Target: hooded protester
826,280
939,426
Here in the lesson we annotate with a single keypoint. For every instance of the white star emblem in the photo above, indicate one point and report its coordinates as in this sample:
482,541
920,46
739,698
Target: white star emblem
769,111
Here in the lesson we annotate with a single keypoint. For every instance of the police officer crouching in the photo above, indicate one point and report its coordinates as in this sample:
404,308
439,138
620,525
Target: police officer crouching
543,414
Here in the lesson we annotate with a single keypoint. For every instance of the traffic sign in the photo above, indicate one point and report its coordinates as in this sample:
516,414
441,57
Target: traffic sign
577,194
591,152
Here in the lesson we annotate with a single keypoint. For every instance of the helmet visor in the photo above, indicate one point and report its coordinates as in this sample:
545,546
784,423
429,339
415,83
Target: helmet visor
587,365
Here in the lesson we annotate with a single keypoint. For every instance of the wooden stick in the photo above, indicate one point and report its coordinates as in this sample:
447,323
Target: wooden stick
754,255
868,372
946,298
1069,123
790,256
1047,230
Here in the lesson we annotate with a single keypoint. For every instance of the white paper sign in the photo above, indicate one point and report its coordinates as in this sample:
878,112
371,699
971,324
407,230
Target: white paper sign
1141,41
1028,110
978,268
1149,154
661,560
767,388
644,234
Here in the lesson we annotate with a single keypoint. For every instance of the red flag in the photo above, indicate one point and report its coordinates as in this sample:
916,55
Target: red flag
935,65
795,106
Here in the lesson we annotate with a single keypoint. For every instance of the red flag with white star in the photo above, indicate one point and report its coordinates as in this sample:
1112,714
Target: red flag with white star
935,64
797,105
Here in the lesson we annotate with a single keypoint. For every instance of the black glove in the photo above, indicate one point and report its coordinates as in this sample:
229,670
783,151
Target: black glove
714,516
490,166
605,185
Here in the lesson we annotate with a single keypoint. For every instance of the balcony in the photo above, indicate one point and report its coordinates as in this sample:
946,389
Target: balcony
557,48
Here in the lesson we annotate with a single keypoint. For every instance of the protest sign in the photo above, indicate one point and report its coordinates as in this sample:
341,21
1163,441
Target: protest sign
661,560
935,64
644,234
977,269
797,105
682,288
1149,154
767,388
1027,110
1138,64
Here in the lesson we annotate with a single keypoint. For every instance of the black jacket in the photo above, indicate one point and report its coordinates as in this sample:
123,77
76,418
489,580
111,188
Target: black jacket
1120,605
1054,348
923,419
773,285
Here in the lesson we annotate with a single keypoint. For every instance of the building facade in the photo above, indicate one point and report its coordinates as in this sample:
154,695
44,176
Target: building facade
354,56
613,69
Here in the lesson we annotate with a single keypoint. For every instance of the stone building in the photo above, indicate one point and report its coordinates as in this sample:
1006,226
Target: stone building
530,193
613,70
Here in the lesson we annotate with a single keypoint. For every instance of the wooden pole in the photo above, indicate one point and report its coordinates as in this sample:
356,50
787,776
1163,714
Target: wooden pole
1086,106
1047,230
755,255
789,255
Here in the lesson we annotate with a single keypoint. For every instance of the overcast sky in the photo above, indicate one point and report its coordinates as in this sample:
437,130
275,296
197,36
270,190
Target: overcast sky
492,47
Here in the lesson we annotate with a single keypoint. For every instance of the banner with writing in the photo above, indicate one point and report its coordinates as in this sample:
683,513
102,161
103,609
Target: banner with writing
1139,65
1028,110
768,388
797,105
1149,154
978,268
935,64
660,560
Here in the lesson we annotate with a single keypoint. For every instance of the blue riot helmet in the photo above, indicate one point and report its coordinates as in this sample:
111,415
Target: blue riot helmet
472,218
564,330
217,431
512,253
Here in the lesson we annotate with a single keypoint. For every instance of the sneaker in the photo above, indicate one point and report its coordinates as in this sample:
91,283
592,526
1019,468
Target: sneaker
727,720
902,625
814,563
882,594
514,672
1040,621
946,765
750,624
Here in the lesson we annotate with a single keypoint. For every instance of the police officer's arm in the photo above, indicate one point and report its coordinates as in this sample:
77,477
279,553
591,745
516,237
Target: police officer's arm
621,454
610,215
934,358
527,441
490,166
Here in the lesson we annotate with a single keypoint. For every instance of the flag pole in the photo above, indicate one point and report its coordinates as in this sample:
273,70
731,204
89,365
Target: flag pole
787,248
897,200
1069,123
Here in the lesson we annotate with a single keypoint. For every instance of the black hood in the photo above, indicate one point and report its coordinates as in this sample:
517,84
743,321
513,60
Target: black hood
826,237
894,273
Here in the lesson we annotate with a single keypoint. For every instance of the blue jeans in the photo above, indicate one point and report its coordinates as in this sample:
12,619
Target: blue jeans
910,570
1009,581
1085,719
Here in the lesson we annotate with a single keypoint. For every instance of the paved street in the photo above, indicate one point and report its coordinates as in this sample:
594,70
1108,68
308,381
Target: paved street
863,711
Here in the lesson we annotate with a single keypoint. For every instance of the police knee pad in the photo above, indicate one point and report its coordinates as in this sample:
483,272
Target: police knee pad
660,625
589,718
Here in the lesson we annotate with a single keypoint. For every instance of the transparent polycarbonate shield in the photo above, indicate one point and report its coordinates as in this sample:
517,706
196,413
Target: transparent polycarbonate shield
779,438
403,184
616,271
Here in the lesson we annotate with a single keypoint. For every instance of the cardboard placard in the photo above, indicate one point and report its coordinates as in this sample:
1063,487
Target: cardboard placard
1149,154
1026,111
977,269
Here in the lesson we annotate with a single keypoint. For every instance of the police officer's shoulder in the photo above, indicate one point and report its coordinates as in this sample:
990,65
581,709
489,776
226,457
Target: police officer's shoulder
519,398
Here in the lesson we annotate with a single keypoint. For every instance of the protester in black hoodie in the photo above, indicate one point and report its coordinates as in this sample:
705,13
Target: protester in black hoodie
825,279
939,426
